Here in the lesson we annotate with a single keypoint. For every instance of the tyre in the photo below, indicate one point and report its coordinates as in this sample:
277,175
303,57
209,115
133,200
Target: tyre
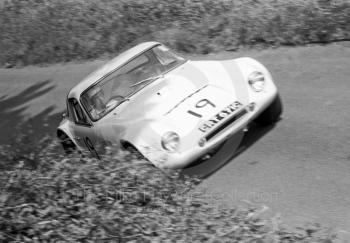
67,144
271,114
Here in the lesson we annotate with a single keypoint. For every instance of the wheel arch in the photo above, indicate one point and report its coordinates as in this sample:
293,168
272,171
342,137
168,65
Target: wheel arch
129,146
63,134
125,144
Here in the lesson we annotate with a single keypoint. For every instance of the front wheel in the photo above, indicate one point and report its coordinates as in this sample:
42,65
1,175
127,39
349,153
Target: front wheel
67,144
134,153
271,114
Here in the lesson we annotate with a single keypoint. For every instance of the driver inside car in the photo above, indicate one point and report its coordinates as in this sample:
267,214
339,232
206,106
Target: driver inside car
96,100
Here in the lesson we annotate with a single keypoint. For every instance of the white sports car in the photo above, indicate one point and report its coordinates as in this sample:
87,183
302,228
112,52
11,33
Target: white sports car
172,111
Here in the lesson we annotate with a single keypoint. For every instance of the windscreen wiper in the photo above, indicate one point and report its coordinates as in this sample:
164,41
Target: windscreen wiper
147,79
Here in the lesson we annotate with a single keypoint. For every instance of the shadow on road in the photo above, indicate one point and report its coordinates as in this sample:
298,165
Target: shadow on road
14,122
254,134
228,151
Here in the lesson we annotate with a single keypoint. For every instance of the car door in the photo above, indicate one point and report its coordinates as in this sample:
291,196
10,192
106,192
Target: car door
83,130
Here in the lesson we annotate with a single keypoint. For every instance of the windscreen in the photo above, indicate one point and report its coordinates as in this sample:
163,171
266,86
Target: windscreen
120,85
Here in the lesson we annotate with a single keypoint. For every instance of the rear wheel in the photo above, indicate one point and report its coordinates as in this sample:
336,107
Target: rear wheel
271,114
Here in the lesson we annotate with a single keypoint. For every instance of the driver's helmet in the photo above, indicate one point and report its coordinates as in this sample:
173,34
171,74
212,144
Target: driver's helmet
96,96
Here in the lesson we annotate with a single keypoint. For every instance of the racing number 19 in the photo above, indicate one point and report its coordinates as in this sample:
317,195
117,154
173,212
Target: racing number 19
200,104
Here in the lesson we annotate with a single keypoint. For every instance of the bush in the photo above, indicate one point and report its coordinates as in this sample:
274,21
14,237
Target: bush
121,199
47,31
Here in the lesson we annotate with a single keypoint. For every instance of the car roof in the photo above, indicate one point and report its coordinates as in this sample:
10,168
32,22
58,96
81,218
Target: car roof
109,67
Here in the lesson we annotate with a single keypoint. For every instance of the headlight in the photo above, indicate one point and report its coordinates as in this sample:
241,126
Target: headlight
170,141
256,81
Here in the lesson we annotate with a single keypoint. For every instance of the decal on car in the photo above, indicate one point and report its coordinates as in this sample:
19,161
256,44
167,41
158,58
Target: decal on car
200,104
220,116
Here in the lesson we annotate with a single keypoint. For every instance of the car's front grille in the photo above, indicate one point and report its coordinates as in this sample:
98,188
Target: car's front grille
225,124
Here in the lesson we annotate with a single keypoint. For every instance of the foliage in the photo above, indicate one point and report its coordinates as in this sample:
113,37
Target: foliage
47,31
119,199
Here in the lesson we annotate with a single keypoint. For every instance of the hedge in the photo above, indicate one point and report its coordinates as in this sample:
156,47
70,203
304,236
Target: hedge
48,197
48,31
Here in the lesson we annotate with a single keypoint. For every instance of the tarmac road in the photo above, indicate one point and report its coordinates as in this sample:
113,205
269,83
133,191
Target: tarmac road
300,168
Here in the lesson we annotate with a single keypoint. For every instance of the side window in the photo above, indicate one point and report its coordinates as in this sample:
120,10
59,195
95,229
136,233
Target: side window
77,113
